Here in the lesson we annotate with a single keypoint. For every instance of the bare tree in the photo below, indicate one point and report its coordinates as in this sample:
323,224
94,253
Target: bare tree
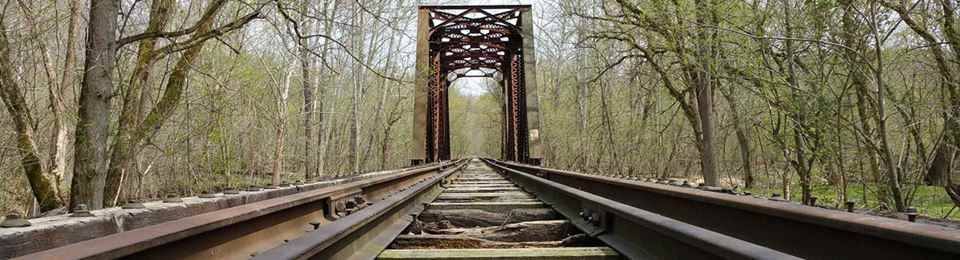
93,126
24,124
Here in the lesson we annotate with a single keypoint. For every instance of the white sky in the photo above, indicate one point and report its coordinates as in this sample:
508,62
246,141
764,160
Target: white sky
470,86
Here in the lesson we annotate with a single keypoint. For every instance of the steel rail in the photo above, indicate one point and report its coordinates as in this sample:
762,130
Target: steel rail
236,232
364,234
636,233
804,231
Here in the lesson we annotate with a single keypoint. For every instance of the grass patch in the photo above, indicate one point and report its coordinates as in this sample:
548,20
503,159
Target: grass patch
931,201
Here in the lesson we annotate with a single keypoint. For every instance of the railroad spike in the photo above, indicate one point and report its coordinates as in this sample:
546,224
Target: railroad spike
850,205
315,224
912,214
133,204
172,198
14,220
81,211
208,195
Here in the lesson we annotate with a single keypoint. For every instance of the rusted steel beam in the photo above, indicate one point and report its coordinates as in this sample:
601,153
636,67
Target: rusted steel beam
804,231
634,232
364,234
458,7
237,232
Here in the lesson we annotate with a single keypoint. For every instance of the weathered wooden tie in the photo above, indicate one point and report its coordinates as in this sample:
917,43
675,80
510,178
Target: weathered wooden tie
482,215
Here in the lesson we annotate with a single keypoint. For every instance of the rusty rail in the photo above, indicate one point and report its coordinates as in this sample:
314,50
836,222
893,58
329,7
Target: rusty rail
365,234
803,231
636,233
239,232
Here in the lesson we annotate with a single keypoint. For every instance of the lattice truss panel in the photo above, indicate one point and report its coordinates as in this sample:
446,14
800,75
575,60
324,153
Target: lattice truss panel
474,42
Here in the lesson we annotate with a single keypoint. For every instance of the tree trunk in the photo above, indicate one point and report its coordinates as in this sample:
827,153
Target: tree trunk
173,92
582,113
58,139
798,115
743,138
357,43
43,189
704,91
281,128
62,144
93,124
309,101
892,172
123,149
322,132
950,136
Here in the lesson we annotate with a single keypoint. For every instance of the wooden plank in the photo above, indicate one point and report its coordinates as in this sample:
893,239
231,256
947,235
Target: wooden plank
488,206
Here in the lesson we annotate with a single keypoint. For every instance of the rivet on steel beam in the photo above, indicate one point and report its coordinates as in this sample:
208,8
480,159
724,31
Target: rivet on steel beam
81,211
172,198
594,220
849,205
14,220
912,214
133,204
208,195
584,214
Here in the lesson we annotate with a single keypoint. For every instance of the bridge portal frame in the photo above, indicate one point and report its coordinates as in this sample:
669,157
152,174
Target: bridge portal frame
455,41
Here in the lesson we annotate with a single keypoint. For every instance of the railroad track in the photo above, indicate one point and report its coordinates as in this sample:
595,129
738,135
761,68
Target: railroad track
481,209
480,214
